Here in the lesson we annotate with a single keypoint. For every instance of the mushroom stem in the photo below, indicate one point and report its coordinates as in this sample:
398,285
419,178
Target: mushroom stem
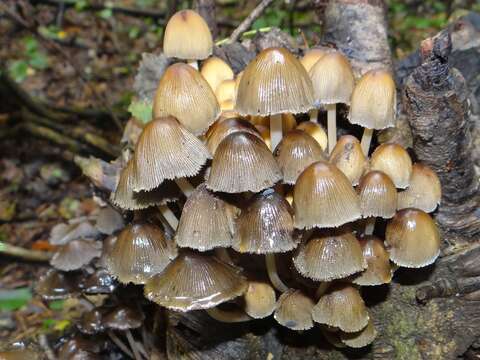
273,274
313,115
133,346
366,140
193,63
223,255
322,288
228,316
119,343
370,225
185,186
332,126
169,216
276,131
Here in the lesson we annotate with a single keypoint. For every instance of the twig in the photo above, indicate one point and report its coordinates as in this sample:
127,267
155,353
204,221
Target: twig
43,341
245,24
26,254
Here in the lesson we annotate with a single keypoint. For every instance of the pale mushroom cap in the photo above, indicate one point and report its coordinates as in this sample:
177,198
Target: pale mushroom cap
206,222
342,307
330,257
195,281
225,91
183,93
393,160
221,129
294,310
361,338
374,101
273,83
324,197
166,151
288,121
316,131
75,254
311,57
260,300
266,225
215,70
242,163
424,192
226,107
348,157
332,79
108,220
187,37
378,195
379,270
412,239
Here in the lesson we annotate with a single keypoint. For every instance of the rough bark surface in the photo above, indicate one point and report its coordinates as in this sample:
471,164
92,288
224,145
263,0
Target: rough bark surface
206,8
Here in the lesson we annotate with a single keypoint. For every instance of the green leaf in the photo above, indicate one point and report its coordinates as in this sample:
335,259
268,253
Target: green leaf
141,110
39,61
106,14
14,299
31,44
18,70
56,305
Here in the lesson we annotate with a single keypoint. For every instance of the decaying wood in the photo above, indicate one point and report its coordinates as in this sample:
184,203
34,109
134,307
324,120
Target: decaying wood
206,8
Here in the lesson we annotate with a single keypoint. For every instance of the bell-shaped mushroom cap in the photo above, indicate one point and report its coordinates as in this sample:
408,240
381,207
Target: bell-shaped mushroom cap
324,197
316,131
273,83
187,36
195,281
242,163
347,155
166,151
124,318
259,300
360,338
56,285
294,310
295,152
330,257
75,254
140,251
266,225
378,195
311,57
125,198
378,270
225,91
206,222
374,101
424,192
332,79
221,129
183,93
108,220
342,307
412,239
215,70
394,161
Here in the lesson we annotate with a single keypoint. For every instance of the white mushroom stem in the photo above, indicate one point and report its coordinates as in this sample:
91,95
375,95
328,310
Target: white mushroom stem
332,126
370,225
223,255
366,140
133,345
322,289
169,216
193,63
119,343
276,130
313,115
228,316
185,186
273,273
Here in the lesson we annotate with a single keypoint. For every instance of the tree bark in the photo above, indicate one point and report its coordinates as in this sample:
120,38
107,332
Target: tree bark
206,8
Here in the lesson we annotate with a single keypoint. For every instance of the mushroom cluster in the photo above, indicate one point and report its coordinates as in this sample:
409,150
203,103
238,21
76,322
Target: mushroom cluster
233,174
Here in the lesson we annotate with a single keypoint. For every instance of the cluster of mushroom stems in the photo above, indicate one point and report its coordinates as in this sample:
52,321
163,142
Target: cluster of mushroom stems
255,179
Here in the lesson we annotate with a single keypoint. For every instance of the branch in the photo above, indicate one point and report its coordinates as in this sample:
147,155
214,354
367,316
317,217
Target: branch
23,253
249,20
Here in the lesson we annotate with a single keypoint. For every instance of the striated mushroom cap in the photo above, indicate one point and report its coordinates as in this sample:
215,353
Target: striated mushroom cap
316,131
311,56
348,157
378,195
424,192
294,310
75,254
221,129
394,161
260,299
360,338
379,270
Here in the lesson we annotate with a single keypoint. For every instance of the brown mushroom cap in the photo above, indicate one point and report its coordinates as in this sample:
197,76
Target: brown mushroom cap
316,131
123,318
225,91
361,338
76,254
378,195
348,157
187,36
215,70
311,57
330,257
108,220
379,270
195,281
266,225
259,299
206,222
221,129
296,151
412,239
242,163
394,161
342,307
56,285
294,310
324,197
274,82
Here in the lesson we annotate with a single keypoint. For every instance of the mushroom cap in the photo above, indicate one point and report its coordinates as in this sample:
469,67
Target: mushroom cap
330,257
412,238
75,254
242,163
166,151
294,310
206,222
424,191
214,70
296,151
311,56
123,318
378,195
342,307
324,197
332,79
374,101
56,285
141,251
225,91
379,270
183,93
266,225
221,129
288,121
316,131
260,299
187,36
273,83
348,157
108,220
361,338
195,281
394,161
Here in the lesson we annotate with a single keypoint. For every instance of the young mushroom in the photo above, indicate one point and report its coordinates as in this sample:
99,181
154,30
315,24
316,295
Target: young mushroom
394,161
294,310
347,155
75,254
260,300
215,70
379,271
316,131
360,338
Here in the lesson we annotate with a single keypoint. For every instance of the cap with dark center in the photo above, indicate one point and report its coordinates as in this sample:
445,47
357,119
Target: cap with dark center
295,152
55,285
316,131
215,70
378,195
99,282
206,221
361,338
221,129
195,281
108,220
324,197
347,155
166,151
123,318
412,239
259,300
342,307
183,93
311,57
242,163
294,310
76,254
378,270
394,161
330,257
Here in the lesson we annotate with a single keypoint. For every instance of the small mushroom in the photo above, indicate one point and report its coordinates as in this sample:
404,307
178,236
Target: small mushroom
108,220
294,310
379,270
259,300
393,160
76,254
123,318
316,131
55,285
361,338
221,129
215,70
311,56
100,282
347,155
225,91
